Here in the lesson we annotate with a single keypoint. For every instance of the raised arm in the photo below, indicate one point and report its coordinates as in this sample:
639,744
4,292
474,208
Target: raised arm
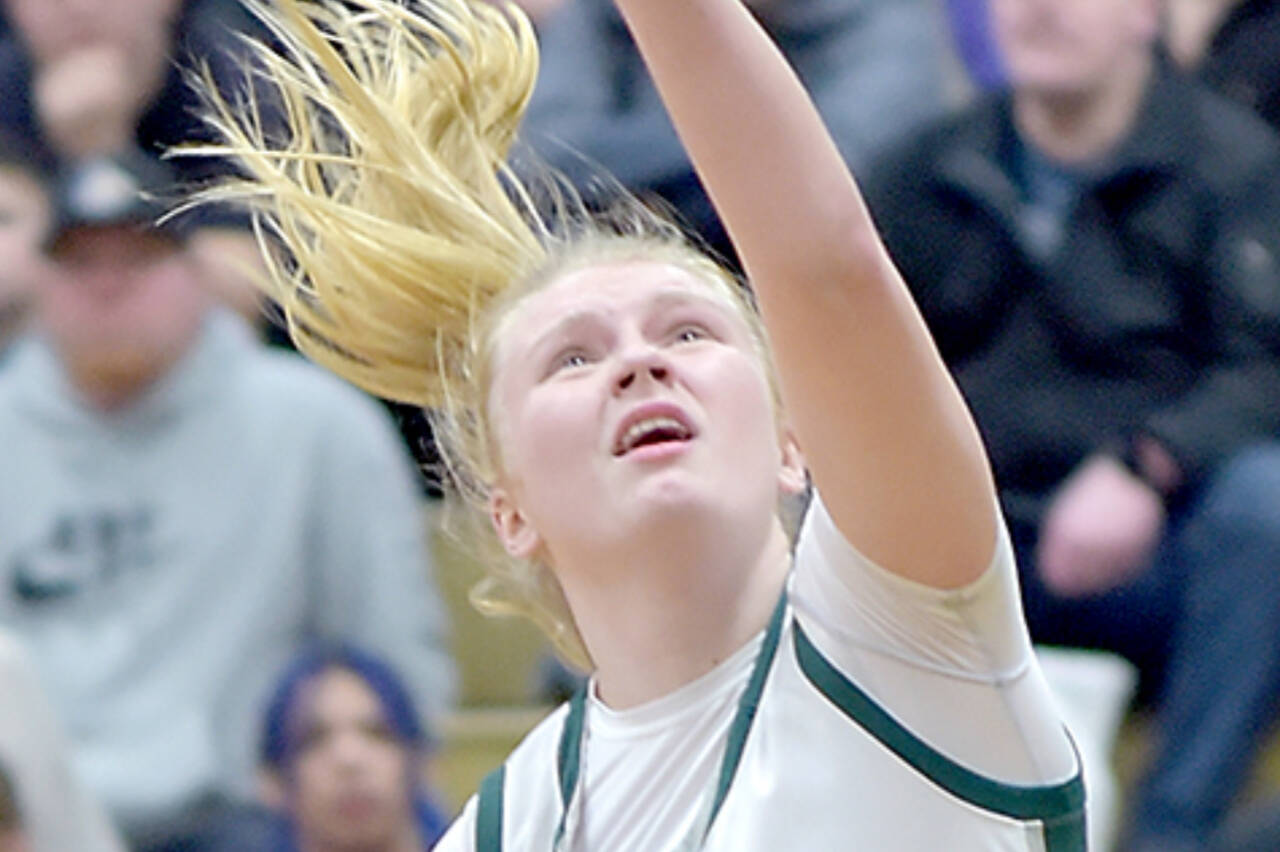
890,443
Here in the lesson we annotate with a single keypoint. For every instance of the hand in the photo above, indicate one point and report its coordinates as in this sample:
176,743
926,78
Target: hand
1101,528
89,100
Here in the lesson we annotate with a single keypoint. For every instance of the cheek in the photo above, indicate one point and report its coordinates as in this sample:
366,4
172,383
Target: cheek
556,434
167,302
65,306
738,380
308,784
394,767
538,426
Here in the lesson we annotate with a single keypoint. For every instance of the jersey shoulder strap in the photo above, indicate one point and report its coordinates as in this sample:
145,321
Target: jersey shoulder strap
1059,808
489,811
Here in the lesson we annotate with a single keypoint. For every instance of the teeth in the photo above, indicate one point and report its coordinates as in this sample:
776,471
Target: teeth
652,424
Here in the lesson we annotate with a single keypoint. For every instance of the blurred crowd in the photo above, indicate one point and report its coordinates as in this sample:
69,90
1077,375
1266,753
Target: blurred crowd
221,627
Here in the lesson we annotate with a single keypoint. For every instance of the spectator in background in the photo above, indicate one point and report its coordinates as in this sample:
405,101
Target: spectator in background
970,22
105,78
181,509
1098,254
43,807
24,218
1234,46
874,68
344,756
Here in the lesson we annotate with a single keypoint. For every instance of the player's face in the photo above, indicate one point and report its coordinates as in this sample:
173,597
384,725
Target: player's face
350,784
625,394
1069,47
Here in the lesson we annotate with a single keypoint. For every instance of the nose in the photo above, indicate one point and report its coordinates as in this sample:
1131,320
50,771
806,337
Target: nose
641,366
347,751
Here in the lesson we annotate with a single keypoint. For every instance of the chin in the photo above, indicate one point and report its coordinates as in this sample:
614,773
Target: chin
1047,77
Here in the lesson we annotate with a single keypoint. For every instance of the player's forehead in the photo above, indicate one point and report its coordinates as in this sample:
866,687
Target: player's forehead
633,288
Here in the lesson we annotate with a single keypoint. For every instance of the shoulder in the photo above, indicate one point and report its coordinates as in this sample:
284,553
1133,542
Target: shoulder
530,793
929,159
973,631
1234,148
975,126
286,382
535,756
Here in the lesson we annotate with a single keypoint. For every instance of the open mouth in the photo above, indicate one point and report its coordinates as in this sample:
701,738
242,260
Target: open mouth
652,431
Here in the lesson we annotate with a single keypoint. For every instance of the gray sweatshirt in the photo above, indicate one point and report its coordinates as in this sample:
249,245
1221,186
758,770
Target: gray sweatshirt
164,562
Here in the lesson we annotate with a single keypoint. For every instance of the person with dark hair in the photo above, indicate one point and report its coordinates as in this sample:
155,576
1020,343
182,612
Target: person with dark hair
344,756
108,79
1097,251
172,529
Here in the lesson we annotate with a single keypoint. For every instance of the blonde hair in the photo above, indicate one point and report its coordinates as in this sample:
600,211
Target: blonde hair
407,236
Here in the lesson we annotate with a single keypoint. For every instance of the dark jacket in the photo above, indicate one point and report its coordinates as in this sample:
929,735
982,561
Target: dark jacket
873,67
1243,58
1159,313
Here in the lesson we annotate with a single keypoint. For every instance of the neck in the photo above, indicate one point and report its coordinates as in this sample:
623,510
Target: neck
112,390
1074,127
671,615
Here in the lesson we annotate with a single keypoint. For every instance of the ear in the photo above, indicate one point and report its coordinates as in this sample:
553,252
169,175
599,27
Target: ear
271,790
517,535
793,475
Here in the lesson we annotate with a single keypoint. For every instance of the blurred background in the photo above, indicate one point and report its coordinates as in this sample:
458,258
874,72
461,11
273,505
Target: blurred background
230,615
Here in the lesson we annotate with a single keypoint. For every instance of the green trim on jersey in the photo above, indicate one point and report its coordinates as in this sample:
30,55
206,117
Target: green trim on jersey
746,713
569,756
1060,807
489,811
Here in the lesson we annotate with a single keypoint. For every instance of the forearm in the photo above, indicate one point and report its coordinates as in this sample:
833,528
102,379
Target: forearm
775,176
1229,409
865,389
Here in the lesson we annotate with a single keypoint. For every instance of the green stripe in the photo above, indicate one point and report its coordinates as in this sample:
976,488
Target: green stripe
1060,807
1065,833
569,754
489,811
747,706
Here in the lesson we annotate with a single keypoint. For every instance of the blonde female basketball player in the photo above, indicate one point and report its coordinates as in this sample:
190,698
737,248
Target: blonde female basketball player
608,401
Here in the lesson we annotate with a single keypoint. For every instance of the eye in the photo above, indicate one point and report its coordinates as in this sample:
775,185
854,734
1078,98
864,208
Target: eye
378,730
570,359
312,737
690,333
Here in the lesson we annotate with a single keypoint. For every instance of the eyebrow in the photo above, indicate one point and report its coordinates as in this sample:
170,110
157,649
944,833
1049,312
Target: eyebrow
663,301
561,326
